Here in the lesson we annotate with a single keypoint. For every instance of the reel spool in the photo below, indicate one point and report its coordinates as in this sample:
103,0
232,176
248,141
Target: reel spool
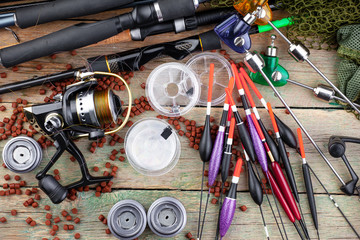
127,219
22,154
82,111
166,217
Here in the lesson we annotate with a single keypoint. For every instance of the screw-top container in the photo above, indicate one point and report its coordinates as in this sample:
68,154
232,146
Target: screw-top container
152,147
22,154
172,89
200,65
127,219
166,217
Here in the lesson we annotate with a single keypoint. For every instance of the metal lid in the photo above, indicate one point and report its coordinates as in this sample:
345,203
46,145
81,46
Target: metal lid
127,219
166,217
200,65
22,154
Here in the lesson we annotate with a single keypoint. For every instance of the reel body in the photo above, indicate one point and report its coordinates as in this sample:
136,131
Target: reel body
80,111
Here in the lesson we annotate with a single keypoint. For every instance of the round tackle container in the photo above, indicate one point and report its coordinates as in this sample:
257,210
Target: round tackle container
172,89
152,147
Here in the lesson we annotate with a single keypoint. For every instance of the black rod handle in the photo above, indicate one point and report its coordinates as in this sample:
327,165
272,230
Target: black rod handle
62,9
67,39
310,194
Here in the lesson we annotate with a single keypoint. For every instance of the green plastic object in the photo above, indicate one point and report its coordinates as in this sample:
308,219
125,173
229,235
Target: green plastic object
271,65
278,23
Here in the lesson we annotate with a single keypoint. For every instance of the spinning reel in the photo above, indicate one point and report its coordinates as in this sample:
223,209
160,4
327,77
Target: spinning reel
337,149
81,111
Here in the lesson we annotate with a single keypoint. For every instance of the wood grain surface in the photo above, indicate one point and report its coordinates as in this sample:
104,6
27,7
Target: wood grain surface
321,119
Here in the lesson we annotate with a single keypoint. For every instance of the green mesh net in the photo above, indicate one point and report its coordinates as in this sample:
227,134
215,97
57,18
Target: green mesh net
317,21
348,73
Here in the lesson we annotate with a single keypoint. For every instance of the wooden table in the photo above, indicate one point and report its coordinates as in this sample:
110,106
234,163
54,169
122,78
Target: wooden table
183,182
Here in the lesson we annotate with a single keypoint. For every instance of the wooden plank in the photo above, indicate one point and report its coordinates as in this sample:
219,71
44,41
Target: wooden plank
246,225
187,173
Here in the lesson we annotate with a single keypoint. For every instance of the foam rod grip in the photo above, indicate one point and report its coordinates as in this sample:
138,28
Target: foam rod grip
67,39
62,9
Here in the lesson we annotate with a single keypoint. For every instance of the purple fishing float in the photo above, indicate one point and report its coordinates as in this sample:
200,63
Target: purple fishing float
229,205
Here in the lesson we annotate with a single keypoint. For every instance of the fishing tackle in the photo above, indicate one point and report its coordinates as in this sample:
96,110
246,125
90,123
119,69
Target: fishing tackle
244,7
225,163
80,111
243,133
256,192
255,64
227,153
234,31
205,147
130,60
182,24
217,150
308,184
272,69
285,132
127,219
166,217
322,91
280,179
229,205
337,149
90,33
284,156
242,85
301,53
56,10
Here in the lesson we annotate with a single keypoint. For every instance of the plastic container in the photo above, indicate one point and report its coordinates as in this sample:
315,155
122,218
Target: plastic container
200,65
172,89
152,147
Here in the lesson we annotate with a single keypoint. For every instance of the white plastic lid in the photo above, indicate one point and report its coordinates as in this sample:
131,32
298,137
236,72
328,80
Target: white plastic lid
172,89
200,65
152,147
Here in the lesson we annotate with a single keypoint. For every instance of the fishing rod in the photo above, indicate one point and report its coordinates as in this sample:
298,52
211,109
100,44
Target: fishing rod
84,34
308,183
205,148
29,16
229,206
257,145
11,8
282,184
130,60
241,86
